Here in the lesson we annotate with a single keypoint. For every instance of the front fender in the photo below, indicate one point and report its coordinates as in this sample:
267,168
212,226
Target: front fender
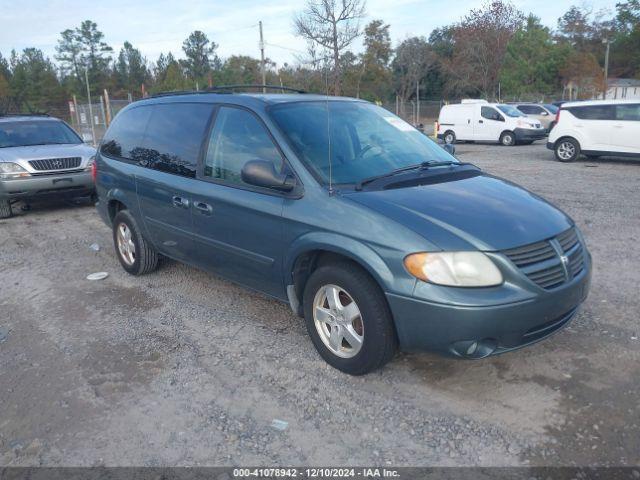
356,250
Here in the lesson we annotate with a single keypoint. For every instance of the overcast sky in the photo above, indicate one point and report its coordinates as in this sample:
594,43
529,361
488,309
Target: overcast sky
156,26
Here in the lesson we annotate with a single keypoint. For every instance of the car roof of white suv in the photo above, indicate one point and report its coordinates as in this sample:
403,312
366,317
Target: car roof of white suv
588,103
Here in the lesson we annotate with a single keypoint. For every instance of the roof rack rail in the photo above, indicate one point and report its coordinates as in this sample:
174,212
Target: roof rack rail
173,92
258,85
227,89
35,114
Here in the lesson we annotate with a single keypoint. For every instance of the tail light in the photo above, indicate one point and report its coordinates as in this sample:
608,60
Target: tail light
558,115
94,171
437,126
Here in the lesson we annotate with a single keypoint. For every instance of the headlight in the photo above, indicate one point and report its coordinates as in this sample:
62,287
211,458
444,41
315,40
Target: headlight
10,170
523,124
455,269
89,167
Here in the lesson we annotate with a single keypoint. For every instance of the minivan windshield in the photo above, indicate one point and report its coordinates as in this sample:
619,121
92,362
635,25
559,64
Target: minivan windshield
510,111
36,132
350,141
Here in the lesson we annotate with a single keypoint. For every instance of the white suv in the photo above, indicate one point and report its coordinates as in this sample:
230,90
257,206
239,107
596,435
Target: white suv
596,128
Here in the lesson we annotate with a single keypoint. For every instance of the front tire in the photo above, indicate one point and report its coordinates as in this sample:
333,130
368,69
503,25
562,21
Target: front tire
348,318
136,254
567,149
5,209
508,139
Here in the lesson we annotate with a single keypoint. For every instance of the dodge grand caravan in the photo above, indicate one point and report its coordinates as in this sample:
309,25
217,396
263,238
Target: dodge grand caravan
370,231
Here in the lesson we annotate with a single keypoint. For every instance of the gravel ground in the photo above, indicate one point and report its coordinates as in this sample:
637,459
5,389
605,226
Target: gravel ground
182,368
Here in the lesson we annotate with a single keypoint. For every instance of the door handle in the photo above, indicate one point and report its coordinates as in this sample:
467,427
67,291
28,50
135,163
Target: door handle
480,121
180,202
204,208
619,126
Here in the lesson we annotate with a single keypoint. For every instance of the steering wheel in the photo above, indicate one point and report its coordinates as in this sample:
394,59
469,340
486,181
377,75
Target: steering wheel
364,150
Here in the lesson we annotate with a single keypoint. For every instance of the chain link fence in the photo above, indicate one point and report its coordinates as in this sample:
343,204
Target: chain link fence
92,120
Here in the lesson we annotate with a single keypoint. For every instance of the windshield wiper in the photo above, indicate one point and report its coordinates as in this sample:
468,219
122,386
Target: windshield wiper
418,166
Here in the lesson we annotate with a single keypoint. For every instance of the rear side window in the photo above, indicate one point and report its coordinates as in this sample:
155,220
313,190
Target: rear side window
593,112
124,137
174,137
238,137
629,112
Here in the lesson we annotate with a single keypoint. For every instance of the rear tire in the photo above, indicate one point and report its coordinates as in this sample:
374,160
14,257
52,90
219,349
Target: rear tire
5,209
376,343
136,254
508,139
449,137
567,149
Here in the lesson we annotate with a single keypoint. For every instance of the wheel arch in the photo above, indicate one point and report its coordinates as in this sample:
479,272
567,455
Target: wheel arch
506,130
567,137
309,252
118,200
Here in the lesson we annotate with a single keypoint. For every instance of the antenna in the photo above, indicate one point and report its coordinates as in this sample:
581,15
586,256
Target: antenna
262,64
326,69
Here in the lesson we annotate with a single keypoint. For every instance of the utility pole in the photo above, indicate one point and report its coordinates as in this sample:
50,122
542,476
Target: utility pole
607,42
93,128
417,102
262,65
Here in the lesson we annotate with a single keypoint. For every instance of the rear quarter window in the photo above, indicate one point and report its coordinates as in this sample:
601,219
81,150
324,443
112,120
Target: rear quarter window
126,133
593,112
629,112
174,137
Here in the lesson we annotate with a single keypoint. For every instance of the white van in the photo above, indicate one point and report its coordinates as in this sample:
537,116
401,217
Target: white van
479,120
596,128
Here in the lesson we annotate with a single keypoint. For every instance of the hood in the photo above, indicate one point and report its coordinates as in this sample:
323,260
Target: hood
483,212
37,152
531,121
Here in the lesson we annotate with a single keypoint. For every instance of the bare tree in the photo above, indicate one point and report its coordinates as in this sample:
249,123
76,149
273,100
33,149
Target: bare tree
480,44
333,25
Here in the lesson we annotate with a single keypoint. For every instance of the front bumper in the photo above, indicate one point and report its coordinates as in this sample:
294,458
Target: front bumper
78,184
551,145
529,134
452,329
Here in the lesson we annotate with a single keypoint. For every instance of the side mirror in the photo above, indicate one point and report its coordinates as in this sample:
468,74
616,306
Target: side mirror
263,174
544,113
449,148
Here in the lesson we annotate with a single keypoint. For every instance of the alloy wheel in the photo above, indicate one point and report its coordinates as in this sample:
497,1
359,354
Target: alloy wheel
338,321
126,247
566,150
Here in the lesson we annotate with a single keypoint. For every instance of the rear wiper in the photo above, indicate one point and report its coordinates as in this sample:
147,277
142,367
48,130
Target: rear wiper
418,166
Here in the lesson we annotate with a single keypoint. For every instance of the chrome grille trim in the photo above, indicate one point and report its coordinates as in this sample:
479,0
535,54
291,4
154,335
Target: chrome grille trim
49,164
541,261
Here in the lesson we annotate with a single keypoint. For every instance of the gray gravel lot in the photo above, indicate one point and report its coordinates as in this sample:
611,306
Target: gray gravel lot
182,368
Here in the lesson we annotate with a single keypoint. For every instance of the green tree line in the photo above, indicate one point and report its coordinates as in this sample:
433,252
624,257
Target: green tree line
493,51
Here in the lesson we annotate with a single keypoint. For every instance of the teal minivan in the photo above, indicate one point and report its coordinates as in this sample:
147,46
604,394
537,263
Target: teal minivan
369,230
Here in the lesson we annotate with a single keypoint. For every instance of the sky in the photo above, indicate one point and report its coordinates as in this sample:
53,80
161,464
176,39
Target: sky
156,26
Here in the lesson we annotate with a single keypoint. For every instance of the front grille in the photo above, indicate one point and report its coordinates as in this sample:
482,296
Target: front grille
56,163
542,262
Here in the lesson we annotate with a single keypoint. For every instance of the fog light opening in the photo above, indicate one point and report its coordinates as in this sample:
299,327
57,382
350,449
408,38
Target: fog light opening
472,348
475,348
